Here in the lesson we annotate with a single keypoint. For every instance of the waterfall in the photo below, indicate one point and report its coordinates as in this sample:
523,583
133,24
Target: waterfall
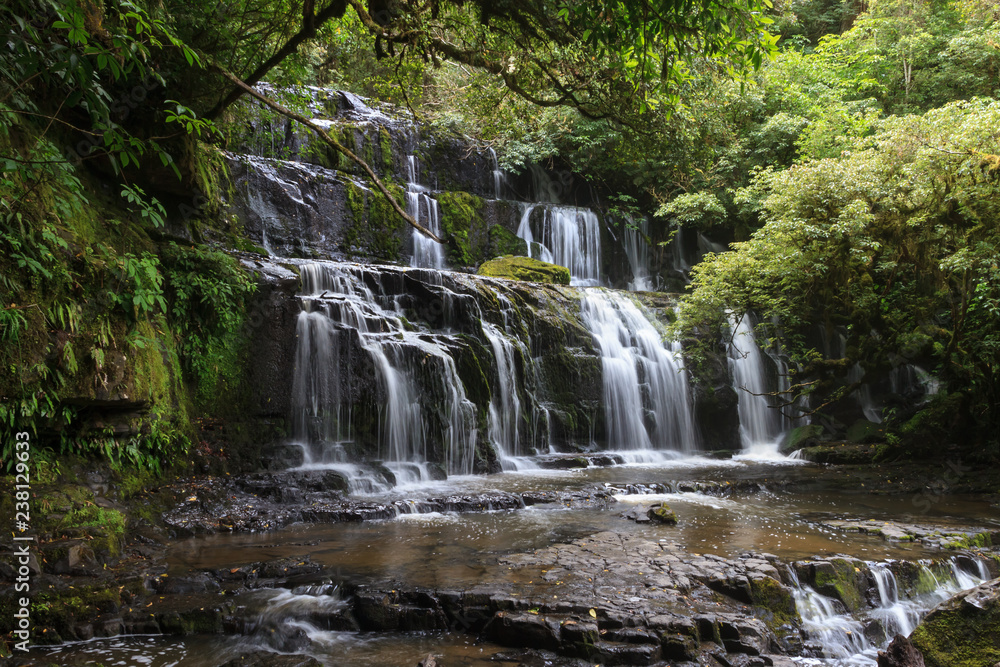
423,208
839,635
505,405
896,616
499,177
414,374
760,424
637,251
569,237
848,639
646,398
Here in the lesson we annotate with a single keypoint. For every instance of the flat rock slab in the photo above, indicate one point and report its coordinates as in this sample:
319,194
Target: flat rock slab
931,535
610,597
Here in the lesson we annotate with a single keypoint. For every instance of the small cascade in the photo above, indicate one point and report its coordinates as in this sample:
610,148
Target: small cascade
499,177
800,407
849,641
427,253
863,395
543,187
646,398
911,380
414,374
896,616
637,251
286,620
505,406
568,236
679,262
838,635
760,424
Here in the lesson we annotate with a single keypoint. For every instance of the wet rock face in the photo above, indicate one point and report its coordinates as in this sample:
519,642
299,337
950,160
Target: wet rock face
900,653
715,405
610,598
963,631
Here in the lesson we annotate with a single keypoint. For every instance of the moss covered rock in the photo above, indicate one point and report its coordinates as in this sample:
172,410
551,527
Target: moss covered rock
843,579
525,268
963,631
801,436
462,223
663,514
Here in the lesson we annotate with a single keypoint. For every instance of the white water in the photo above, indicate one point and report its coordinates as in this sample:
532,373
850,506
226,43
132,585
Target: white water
646,398
499,177
413,372
568,236
760,424
843,639
505,405
637,251
427,253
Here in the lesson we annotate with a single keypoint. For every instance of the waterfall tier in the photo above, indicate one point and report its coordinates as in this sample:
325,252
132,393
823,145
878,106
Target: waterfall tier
443,372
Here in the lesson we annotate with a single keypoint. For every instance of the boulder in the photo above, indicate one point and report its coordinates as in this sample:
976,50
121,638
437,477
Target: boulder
963,631
525,268
900,653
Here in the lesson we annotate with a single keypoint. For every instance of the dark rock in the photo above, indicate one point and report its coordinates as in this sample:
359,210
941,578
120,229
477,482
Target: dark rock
523,630
268,659
613,653
900,653
197,583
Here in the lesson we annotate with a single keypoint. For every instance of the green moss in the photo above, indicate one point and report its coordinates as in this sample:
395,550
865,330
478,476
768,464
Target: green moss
461,223
505,242
967,541
110,523
957,634
525,268
843,581
385,141
663,514
374,228
775,602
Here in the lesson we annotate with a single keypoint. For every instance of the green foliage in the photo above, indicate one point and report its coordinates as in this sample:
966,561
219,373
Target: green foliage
208,295
892,239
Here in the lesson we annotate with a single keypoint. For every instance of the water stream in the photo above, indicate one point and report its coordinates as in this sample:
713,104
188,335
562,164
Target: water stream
760,423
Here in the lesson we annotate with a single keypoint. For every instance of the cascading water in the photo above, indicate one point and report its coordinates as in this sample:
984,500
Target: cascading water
848,641
427,253
567,236
896,616
637,251
499,177
505,406
646,399
760,424
412,371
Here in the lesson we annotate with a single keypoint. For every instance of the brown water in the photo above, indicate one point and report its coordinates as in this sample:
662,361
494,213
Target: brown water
451,550
458,550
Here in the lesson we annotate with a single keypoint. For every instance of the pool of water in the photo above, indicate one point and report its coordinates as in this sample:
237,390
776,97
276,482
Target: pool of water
782,514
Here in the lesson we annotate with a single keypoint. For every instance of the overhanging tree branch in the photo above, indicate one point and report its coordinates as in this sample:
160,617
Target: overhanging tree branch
310,23
321,133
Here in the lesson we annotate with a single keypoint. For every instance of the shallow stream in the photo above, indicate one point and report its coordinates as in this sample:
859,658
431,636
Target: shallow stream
780,508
